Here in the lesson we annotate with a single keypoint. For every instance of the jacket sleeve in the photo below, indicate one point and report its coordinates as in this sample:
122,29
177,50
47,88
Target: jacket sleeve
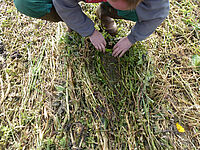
71,13
151,13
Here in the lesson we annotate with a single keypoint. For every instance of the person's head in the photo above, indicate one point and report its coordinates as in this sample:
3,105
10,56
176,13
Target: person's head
124,4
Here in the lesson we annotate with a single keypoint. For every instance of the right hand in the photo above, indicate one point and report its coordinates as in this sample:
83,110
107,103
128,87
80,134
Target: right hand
98,40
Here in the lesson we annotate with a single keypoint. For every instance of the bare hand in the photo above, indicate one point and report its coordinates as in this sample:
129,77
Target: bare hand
98,40
121,47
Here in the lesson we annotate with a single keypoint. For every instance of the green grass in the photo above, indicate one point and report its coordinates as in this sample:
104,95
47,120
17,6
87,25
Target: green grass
58,92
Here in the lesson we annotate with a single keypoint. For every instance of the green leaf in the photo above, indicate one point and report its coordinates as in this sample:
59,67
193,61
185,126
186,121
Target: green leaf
9,10
108,50
196,60
63,142
59,88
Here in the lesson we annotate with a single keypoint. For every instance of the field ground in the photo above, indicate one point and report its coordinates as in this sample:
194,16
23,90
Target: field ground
58,92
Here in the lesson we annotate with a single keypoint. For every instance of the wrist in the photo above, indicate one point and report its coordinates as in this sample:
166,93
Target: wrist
93,33
131,39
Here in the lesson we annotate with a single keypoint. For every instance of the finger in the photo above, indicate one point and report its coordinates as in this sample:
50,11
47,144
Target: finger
119,51
99,47
104,42
116,45
116,52
103,47
96,46
122,53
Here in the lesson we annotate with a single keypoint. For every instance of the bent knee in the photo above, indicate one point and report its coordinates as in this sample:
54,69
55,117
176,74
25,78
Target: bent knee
33,8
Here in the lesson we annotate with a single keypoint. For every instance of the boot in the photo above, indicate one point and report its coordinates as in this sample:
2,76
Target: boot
106,14
52,16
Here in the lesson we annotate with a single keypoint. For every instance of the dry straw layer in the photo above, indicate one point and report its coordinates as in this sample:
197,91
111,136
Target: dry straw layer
58,92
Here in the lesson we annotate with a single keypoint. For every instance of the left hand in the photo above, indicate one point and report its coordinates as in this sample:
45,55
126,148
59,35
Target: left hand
121,47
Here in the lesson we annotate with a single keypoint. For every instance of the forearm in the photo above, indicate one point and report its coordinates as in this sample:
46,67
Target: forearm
144,29
72,15
151,13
